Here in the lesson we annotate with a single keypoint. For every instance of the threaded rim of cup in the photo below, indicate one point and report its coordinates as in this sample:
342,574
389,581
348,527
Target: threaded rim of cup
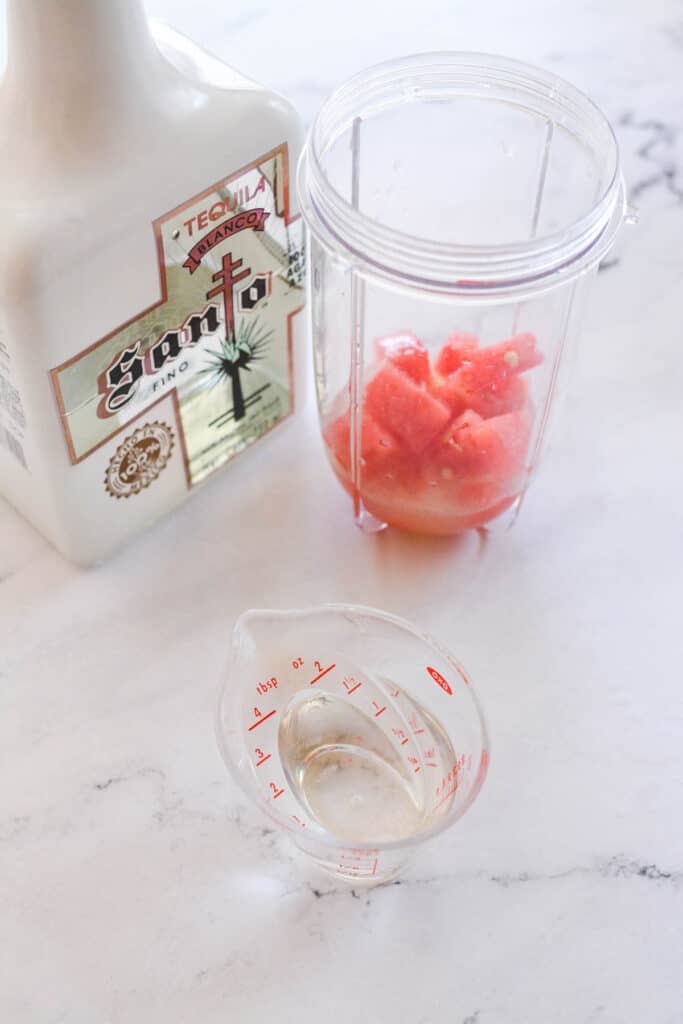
487,270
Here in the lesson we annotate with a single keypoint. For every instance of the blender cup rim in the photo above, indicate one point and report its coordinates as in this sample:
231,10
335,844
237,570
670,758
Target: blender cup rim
254,793
507,269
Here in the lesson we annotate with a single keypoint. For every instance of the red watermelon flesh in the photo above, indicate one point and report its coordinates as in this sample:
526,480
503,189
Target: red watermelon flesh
405,408
457,450
507,394
406,352
494,448
379,451
488,379
451,392
446,451
495,362
454,353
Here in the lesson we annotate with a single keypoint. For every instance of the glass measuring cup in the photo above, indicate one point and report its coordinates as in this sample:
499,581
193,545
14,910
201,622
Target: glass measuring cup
354,732
459,205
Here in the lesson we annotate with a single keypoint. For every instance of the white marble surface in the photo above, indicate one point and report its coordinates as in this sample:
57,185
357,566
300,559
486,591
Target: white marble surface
136,886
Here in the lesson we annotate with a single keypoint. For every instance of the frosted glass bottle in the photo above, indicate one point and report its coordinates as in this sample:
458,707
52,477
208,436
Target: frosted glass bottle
151,269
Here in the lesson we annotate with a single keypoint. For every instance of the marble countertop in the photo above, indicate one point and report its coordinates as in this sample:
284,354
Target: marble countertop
135,883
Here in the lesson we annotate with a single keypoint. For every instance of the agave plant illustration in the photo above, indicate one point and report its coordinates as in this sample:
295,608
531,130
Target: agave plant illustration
234,355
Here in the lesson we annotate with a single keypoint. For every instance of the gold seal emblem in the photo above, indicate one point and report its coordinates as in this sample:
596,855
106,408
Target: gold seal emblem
139,460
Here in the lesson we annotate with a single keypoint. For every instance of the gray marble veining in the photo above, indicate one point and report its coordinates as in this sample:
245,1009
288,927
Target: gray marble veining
136,886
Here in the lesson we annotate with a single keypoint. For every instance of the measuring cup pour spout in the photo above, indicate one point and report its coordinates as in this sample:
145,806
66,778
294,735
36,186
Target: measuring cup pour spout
356,733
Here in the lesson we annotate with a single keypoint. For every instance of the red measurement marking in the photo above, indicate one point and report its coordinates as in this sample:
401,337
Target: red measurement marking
381,710
403,742
357,855
262,761
418,731
445,797
279,793
359,870
299,821
417,769
430,764
260,721
321,674
354,688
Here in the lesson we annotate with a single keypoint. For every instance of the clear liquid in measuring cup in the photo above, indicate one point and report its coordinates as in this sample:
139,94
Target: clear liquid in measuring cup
356,734
365,773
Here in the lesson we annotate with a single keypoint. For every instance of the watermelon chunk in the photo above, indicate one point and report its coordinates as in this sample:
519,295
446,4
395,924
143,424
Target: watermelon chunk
495,448
454,353
407,353
487,379
497,362
452,393
446,450
405,408
458,450
500,396
379,450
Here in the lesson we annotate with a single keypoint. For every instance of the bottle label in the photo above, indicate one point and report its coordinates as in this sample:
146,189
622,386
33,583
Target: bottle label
12,416
218,345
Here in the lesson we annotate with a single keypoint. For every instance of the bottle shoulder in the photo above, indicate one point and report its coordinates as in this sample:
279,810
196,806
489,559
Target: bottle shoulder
196,112
219,80
196,64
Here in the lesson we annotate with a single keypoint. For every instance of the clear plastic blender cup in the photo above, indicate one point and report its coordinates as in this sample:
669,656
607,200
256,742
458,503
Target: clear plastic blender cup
458,206
357,734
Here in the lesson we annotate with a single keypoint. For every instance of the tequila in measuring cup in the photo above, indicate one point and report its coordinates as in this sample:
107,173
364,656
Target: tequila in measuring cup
354,732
